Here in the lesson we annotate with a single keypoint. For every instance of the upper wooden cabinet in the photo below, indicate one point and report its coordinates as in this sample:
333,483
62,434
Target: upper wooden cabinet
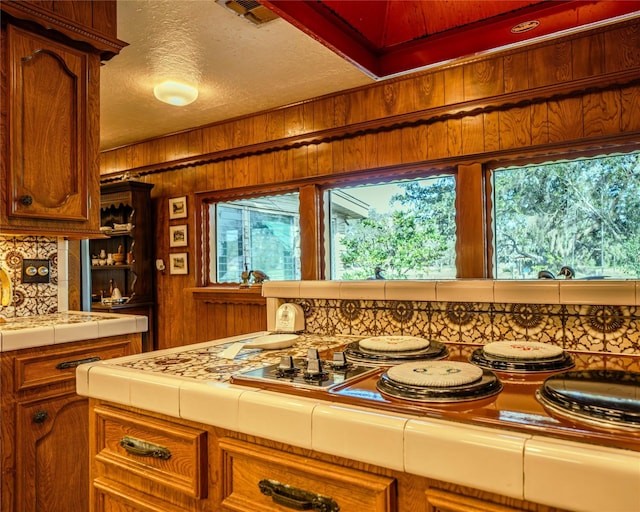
50,119
49,131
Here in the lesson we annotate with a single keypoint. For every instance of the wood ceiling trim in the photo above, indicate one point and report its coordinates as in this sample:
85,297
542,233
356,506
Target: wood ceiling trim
502,102
329,23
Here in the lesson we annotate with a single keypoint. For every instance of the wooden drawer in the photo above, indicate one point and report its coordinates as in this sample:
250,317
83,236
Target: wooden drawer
144,453
266,480
57,364
110,496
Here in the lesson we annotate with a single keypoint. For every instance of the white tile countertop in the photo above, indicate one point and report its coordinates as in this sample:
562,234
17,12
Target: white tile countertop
192,383
42,330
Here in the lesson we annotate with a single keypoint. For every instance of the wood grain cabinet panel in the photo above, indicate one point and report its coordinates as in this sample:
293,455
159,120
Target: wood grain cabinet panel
44,431
40,369
250,474
51,448
50,114
261,479
50,173
113,497
168,454
445,501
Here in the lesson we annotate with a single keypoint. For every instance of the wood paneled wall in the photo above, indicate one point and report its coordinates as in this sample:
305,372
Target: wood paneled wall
552,99
224,311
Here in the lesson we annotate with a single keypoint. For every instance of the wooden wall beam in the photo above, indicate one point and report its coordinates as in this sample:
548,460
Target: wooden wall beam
310,232
471,259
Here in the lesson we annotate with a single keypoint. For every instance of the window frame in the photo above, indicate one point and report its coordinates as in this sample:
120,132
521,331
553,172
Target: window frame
377,180
474,204
517,162
204,200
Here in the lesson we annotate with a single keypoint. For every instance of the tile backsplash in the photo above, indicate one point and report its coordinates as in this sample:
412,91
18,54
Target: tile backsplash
580,316
590,328
35,298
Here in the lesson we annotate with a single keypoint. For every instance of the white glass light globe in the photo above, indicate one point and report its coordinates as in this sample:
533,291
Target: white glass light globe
175,93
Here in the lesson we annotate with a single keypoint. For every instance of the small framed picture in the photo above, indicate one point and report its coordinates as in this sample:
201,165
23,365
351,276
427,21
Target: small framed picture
178,207
178,263
178,236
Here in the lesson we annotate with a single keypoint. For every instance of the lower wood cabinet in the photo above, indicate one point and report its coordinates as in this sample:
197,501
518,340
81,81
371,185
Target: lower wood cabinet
439,500
45,424
52,437
151,456
148,462
143,462
262,479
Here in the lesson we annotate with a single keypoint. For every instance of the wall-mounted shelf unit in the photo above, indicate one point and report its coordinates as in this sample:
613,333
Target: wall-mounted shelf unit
126,222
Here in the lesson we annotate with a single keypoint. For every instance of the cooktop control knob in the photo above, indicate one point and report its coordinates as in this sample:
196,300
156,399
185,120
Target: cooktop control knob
312,354
339,361
314,370
286,367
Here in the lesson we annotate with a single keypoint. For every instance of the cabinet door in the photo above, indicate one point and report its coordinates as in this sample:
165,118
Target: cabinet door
52,454
50,138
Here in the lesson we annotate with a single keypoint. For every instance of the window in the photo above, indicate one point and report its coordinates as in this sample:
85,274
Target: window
405,229
261,233
584,214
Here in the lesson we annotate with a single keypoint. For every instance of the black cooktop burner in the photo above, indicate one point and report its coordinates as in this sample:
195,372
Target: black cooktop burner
356,354
479,357
488,385
601,398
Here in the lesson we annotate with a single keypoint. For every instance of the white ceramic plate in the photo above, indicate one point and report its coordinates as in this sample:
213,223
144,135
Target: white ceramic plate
272,341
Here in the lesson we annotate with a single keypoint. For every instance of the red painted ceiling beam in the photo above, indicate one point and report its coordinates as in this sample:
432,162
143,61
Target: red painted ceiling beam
332,29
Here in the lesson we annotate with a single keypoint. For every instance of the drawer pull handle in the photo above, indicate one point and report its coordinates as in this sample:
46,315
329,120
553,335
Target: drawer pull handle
144,449
40,416
72,364
26,200
297,499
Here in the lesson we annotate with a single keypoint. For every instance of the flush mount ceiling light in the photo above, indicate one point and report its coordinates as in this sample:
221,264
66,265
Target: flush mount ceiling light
175,93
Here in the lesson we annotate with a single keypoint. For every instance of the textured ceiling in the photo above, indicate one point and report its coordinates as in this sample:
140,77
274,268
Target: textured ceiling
240,68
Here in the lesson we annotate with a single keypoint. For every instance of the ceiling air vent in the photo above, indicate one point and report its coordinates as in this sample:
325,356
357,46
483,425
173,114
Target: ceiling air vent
250,10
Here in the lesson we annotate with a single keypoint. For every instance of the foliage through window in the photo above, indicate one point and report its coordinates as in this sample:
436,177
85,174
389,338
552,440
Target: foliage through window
261,233
405,229
584,214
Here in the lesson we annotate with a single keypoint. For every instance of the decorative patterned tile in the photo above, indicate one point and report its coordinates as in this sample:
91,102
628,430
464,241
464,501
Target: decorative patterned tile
625,339
478,330
587,328
30,298
443,329
550,332
204,363
421,326
314,313
578,335
622,363
366,322
399,315
502,329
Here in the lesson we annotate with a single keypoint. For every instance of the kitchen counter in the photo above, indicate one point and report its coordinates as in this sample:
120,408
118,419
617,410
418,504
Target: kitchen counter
513,454
43,330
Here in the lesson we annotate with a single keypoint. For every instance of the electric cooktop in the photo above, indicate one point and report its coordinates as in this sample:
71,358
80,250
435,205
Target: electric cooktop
504,399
